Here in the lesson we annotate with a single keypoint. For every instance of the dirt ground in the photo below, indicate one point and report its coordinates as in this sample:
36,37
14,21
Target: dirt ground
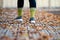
47,24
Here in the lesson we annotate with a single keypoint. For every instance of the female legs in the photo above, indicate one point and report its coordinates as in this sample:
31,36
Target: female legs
32,9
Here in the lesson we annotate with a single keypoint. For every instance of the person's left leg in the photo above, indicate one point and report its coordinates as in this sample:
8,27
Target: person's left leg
32,10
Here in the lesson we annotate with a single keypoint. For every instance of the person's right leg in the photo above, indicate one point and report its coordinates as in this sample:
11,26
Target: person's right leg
20,6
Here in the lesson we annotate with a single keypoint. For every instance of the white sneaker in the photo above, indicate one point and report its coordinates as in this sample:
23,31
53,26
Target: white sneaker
32,21
19,19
